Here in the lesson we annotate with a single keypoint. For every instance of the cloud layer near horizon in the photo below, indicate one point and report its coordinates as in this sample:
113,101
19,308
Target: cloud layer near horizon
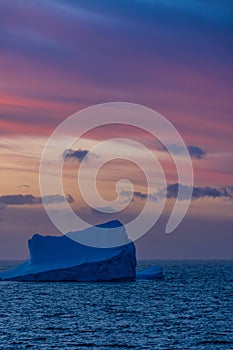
195,152
172,192
29,199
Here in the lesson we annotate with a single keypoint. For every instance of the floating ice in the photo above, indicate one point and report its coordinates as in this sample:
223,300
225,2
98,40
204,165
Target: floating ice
151,273
59,258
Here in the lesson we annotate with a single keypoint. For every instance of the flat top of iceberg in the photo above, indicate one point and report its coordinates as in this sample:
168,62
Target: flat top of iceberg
110,224
109,234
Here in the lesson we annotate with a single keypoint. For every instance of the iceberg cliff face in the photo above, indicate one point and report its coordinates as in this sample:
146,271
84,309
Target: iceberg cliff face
59,258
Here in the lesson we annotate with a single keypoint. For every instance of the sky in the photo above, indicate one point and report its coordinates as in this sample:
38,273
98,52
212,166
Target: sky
58,57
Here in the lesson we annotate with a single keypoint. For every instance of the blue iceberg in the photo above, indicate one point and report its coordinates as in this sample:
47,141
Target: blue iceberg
150,273
59,258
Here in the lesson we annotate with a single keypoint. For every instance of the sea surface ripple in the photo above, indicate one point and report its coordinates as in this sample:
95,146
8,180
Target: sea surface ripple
191,308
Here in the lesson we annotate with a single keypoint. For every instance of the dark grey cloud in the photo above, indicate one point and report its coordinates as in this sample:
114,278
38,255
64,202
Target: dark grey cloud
78,155
140,195
19,199
75,154
201,192
29,199
58,199
172,192
194,151
226,192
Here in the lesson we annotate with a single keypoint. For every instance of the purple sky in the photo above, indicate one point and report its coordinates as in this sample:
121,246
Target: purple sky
58,57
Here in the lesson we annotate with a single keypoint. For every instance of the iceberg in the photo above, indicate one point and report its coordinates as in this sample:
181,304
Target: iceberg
150,273
59,258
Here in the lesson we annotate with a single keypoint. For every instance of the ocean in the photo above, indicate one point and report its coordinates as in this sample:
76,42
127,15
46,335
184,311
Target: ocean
191,308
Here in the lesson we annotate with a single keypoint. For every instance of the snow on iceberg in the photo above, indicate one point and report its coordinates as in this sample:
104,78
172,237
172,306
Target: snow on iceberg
59,258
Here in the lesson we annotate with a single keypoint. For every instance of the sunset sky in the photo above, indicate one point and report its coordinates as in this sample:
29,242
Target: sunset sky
58,57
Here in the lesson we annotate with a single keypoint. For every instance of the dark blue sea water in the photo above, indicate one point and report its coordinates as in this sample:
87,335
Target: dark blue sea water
191,308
